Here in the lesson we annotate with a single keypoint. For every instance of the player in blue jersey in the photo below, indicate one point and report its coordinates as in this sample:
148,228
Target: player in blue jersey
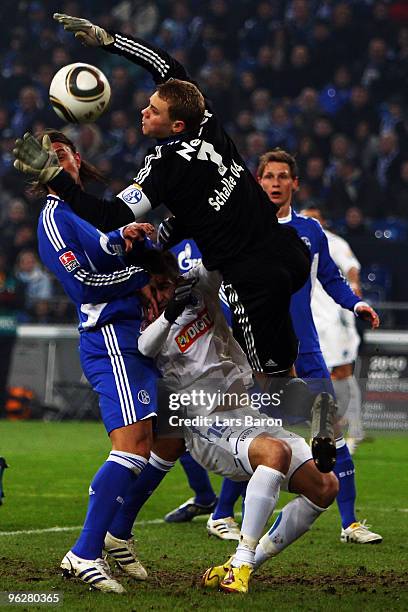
277,173
90,266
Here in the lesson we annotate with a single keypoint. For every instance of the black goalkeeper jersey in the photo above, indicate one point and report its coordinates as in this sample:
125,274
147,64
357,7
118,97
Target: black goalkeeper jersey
199,176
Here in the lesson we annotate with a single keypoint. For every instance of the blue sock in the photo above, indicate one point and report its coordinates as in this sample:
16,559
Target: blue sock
230,491
344,470
106,494
198,480
137,495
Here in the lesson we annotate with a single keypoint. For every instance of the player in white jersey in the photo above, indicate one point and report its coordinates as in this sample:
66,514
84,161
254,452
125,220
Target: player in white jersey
195,351
339,339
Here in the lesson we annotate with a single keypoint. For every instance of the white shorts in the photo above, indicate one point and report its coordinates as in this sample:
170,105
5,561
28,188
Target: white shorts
222,446
339,341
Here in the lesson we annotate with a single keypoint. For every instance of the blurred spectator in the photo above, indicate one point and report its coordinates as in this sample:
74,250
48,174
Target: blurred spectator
137,17
354,225
121,84
15,224
300,22
306,109
359,108
256,145
340,150
366,145
387,165
37,283
11,303
345,40
261,109
380,74
354,188
29,109
300,72
322,51
281,132
321,135
397,201
314,176
334,95
258,30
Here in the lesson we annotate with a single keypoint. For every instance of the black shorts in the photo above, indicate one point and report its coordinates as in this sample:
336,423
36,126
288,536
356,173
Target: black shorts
259,288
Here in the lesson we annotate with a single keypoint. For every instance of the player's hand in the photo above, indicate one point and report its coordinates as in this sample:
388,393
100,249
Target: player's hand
86,32
182,297
365,312
37,159
151,302
136,231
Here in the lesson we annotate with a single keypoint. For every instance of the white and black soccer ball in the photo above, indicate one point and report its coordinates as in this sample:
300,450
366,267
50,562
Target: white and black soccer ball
79,93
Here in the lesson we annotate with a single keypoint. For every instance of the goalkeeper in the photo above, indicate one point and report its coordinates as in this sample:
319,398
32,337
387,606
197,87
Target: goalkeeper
196,170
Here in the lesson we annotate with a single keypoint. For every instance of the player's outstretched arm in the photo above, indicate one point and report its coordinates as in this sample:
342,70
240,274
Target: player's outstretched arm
86,32
159,63
39,161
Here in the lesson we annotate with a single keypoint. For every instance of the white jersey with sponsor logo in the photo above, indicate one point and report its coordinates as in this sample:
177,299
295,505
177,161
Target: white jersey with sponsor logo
336,326
199,345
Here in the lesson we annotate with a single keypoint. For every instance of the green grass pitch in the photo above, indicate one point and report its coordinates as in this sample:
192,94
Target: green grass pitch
51,465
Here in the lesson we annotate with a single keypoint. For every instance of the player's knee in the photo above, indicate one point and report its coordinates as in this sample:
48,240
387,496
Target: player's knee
326,493
274,453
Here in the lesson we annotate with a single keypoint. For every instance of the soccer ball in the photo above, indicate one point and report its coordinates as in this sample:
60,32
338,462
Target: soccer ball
79,93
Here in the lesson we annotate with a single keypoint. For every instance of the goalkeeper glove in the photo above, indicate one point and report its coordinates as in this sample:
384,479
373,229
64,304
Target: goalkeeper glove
182,297
168,234
37,159
87,33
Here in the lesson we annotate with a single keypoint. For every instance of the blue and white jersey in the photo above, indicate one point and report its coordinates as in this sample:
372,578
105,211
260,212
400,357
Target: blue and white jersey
323,268
90,266
188,256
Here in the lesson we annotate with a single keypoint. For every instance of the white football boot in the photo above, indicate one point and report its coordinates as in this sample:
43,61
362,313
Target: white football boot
94,572
124,553
224,528
359,533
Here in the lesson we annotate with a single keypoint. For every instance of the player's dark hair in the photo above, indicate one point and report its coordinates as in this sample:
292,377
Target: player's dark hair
277,155
156,261
87,172
185,100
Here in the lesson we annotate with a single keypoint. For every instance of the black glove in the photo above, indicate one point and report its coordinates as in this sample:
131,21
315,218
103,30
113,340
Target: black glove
182,297
169,233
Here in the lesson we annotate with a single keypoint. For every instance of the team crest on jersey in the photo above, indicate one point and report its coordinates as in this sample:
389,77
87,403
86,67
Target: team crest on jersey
143,397
306,241
132,194
192,331
69,261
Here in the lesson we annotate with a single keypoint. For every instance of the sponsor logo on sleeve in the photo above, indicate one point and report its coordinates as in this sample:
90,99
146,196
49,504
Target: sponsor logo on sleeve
69,261
194,330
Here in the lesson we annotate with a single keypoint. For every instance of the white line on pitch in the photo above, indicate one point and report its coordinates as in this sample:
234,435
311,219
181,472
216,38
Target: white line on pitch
144,523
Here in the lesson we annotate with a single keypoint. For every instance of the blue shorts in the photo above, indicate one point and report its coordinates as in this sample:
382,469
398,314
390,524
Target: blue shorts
313,369
125,380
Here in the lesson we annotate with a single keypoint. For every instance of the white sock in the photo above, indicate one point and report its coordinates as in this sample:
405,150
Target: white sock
295,519
342,390
261,498
353,414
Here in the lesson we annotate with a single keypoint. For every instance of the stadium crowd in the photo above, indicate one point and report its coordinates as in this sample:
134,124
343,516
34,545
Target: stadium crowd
327,80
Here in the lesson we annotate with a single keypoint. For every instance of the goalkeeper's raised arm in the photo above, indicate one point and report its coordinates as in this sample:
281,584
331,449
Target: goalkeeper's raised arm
159,63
